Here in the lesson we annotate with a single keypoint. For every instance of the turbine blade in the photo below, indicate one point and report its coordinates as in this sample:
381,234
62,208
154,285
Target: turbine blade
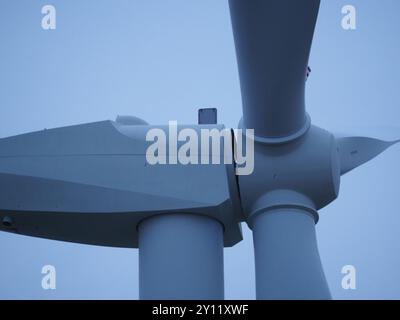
355,151
273,40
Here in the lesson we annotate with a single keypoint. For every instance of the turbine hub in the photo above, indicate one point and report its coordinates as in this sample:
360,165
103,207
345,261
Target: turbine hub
304,173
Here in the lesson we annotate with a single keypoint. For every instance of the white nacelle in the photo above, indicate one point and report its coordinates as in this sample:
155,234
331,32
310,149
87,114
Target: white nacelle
91,184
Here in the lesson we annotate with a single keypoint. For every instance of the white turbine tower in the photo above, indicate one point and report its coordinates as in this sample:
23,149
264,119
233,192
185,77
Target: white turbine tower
91,183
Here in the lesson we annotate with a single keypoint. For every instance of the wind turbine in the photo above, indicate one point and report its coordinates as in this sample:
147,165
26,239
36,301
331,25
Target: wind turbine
91,183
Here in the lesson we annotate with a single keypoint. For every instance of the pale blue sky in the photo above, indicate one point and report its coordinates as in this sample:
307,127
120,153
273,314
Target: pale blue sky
162,60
